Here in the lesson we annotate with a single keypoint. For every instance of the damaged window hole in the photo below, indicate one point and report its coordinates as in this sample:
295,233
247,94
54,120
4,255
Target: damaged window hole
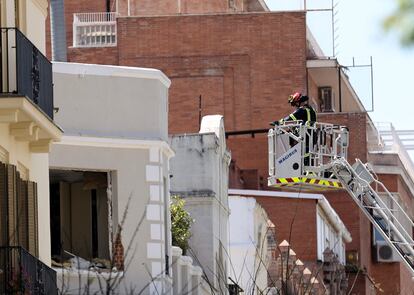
79,219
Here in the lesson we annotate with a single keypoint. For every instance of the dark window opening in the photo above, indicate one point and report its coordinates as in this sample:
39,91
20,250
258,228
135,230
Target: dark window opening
326,99
79,216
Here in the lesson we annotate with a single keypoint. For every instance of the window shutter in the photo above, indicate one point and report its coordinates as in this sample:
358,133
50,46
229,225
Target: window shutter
32,227
12,205
3,205
22,221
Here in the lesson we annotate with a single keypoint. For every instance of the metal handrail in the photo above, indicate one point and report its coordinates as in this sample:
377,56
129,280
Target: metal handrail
94,17
96,29
26,71
23,273
392,143
322,141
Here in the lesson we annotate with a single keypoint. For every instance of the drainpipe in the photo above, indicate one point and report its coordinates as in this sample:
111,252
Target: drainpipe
340,87
58,30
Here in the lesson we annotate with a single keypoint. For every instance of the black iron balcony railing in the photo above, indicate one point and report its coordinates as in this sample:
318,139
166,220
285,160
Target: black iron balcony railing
24,70
22,273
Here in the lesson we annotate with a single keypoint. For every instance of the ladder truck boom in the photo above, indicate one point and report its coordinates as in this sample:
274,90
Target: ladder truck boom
314,157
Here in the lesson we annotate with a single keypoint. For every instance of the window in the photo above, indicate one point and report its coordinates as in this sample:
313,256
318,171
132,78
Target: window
94,29
79,215
326,99
328,237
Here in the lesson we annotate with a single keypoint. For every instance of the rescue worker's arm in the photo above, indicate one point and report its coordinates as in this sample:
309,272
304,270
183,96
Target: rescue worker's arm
295,116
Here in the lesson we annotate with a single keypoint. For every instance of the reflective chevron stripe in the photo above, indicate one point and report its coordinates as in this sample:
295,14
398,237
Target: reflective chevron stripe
313,181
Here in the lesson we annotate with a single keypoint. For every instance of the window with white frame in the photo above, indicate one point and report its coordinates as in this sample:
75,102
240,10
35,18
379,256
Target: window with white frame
328,237
94,29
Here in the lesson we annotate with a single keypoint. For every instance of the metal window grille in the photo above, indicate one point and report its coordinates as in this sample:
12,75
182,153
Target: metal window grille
94,29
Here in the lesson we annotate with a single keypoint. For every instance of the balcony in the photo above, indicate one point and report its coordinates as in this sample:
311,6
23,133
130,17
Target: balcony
22,273
25,71
26,91
383,142
94,29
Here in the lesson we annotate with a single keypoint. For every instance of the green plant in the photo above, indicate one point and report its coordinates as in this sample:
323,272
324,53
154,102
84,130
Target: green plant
402,21
180,223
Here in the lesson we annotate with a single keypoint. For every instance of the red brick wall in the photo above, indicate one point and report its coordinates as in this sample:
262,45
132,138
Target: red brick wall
81,6
387,275
201,6
244,71
148,7
251,153
406,281
356,122
406,197
301,213
394,278
169,7
99,55
243,65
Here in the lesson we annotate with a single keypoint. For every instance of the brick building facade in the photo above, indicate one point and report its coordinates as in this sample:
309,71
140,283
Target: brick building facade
243,63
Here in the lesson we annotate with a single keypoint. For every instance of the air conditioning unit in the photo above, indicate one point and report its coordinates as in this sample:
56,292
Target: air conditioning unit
385,253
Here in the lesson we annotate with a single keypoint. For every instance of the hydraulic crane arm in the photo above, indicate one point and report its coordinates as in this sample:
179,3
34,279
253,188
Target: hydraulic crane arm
357,180
314,157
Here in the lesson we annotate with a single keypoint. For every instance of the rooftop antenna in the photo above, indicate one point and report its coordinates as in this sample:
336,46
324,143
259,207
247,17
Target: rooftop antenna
335,28
333,9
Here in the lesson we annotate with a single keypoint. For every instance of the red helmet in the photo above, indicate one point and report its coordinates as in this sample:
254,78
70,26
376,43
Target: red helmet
295,98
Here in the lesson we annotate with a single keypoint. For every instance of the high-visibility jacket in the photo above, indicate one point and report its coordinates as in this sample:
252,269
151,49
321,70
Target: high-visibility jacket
305,113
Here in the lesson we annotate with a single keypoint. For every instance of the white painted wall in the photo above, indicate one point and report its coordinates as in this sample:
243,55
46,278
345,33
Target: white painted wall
200,175
33,19
109,101
116,120
248,243
328,237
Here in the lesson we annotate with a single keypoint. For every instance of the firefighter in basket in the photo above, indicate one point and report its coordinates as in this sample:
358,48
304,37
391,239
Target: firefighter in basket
303,113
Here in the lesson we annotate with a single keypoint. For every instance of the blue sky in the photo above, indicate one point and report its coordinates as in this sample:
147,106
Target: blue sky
361,35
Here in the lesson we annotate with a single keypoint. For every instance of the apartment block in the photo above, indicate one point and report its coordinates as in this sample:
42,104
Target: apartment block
200,171
109,177
27,130
243,63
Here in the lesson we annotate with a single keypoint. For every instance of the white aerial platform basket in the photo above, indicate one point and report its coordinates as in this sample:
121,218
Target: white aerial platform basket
300,155
315,157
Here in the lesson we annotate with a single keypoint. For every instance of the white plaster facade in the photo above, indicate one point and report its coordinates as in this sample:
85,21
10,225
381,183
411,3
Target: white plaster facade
249,252
331,231
200,175
116,121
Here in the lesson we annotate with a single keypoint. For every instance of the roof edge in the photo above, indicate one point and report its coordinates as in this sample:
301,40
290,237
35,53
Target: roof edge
111,71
